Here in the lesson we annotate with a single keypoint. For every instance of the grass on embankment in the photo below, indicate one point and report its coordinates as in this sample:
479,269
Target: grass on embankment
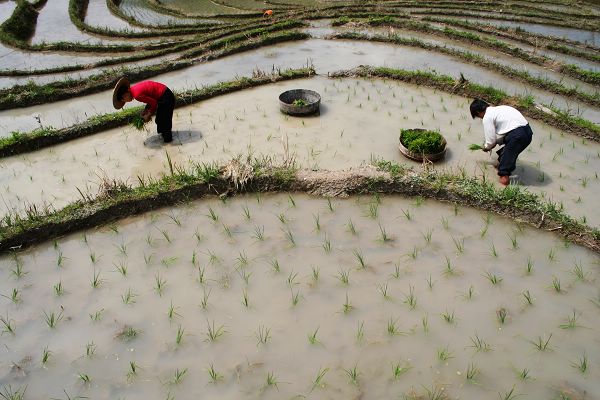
119,200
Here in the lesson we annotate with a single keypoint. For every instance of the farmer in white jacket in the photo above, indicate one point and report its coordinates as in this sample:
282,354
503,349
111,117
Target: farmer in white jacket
503,125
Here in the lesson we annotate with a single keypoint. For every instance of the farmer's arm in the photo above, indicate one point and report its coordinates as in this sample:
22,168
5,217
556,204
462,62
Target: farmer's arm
489,130
151,104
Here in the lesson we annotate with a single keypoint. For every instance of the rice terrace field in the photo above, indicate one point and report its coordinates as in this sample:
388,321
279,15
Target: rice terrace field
262,255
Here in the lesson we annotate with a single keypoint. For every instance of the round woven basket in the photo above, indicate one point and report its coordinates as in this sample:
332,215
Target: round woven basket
422,156
312,99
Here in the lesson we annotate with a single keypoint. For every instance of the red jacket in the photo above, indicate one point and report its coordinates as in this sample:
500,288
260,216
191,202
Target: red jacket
148,92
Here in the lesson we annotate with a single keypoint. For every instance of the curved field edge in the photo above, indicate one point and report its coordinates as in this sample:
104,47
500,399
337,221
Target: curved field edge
23,142
20,143
118,199
32,94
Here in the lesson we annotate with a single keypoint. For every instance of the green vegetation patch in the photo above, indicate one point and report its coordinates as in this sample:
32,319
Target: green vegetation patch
21,24
422,141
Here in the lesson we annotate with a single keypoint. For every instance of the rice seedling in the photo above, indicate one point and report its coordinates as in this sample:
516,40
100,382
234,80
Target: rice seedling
291,200
359,258
319,379
46,355
502,313
8,325
571,321
383,236
315,273
524,374
316,219
510,395
295,297
60,259
281,217
449,270
85,378
128,333
430,282
205,296
528,297
351,227
312,337
344,276
245,298
581,364
93,257
199,237
263,334
514,241
493,278
179,335
275,265
122,268
579,273
459,244
373,210
289,236
556,285
425,324
448,317
212,257
213,333
352,374
330,205
227,230
178,376
259,233
484,231
407,214
291,279
347,306
271,381
444,354
445,223
215,377
17,271
392,327
427,236
360,332
472,372
541,343
383,289
7,393
326,244
493,251
133,371
128,297
15,296
529,266
90,349
122,249
410,299
97,315
479,344
552,254
172,313
399,369
52,319
212,215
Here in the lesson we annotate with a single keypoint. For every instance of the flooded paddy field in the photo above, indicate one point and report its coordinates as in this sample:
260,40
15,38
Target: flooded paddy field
289,296
359,120
286,295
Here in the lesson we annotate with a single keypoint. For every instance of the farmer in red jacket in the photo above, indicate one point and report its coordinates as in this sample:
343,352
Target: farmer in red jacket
158,98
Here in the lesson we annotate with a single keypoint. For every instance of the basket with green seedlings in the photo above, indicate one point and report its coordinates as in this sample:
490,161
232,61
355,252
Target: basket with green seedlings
299,103
422,144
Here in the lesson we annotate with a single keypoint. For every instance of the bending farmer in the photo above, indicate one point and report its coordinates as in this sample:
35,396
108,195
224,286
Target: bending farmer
158,98
503,125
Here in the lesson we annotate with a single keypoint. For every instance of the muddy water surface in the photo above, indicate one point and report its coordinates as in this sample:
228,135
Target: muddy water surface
359,120
290,301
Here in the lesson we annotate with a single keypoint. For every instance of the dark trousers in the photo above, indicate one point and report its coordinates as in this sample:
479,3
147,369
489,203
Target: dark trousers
164,115
515,142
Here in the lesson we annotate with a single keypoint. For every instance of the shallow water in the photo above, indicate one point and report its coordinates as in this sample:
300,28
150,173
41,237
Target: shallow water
6,9
577,35
207,8
354,325
98,15
326,55
359,119
18,59
141,12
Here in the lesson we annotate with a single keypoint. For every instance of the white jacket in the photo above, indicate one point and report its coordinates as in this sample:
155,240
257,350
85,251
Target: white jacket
499,120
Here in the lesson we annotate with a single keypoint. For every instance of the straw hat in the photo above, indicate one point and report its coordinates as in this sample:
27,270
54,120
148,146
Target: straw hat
118,103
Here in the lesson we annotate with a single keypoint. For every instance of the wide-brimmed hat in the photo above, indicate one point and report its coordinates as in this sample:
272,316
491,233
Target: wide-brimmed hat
118,103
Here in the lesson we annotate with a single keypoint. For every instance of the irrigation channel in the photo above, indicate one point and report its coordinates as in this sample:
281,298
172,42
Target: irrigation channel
264,255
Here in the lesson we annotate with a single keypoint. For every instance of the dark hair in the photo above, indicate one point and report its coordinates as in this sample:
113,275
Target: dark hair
478,106
122,90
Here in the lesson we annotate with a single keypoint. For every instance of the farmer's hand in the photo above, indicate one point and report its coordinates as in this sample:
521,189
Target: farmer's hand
486,150
146,116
